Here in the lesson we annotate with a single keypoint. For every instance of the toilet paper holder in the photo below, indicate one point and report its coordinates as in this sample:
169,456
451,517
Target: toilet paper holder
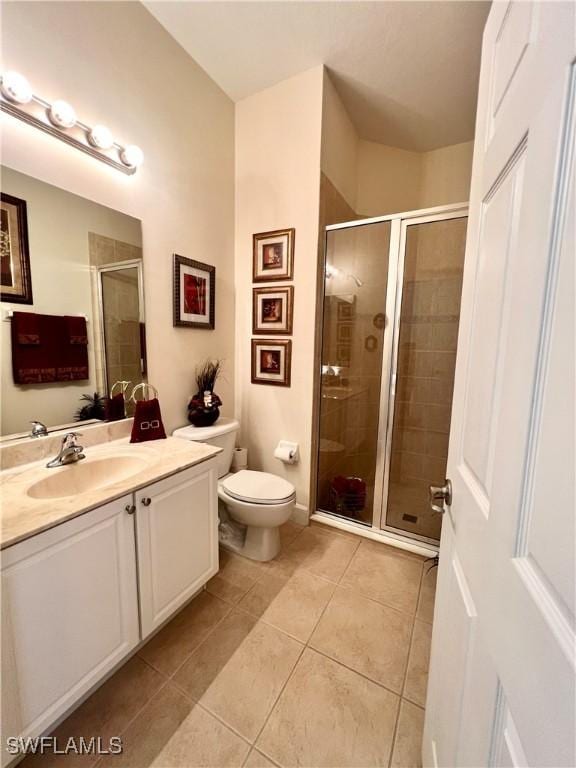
287,452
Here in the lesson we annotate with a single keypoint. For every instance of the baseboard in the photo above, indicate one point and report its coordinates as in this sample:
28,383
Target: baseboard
300,514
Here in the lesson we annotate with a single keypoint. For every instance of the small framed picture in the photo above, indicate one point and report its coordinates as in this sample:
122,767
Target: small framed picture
273,256
347,310
272,310
343,352
16,280
271,362
194,293
345,332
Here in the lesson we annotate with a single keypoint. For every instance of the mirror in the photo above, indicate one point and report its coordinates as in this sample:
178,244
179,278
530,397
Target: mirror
74,268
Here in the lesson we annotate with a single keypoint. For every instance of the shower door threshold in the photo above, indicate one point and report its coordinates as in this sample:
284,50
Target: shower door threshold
418,547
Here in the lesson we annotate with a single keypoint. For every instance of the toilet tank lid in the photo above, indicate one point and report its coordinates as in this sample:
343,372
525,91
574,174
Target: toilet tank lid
202,434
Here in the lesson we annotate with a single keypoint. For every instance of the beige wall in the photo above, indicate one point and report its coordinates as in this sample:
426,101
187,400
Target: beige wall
446,174
388,179
339,144
58,227
278,137
376,179
98,57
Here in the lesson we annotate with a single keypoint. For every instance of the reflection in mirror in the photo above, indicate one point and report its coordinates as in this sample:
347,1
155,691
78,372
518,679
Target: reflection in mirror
81,327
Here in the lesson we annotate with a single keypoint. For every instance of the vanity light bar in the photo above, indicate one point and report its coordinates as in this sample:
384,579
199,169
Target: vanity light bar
58,118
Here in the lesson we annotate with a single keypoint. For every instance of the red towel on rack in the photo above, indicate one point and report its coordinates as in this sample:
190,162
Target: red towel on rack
147,422
76,329
115,407
54,359
26,328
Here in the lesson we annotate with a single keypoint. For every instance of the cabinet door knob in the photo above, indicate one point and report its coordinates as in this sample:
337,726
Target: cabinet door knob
146,501
130,508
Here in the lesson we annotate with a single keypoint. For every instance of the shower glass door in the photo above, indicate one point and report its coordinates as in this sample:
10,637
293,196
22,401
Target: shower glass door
391,308
426,335
354,326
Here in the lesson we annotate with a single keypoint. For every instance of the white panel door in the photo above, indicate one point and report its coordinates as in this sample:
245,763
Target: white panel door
502,688
70,606
177,537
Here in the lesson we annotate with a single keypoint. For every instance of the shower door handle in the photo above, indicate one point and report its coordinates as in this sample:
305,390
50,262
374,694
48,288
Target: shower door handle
441,496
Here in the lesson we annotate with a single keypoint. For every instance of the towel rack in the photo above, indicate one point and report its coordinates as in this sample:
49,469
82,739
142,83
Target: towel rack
122,383
143,385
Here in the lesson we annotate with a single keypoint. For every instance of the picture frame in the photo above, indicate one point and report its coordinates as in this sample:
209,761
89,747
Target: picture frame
15,273
271,362
194,293
273,256
343,353
344,332
273,310
346,310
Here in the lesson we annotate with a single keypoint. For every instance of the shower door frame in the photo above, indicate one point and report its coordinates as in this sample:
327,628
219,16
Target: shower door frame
399,223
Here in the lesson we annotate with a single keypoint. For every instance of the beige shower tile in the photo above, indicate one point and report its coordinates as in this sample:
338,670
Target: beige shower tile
330,716
239,672
325,554
366,636
425,610
172,645
236,576
377,572
418,662
407,751
293,604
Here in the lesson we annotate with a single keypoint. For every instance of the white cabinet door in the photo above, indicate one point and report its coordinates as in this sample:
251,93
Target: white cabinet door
70,608
177,538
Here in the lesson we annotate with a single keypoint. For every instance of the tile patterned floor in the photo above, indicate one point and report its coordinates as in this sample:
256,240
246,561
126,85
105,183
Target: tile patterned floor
318,659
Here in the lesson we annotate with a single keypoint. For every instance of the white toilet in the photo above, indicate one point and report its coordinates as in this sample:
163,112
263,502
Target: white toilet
253,505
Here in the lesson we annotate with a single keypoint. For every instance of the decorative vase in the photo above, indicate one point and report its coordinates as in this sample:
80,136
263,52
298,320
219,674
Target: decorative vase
204,409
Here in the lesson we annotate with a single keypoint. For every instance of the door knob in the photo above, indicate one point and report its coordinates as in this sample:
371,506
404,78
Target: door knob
130,508
441,495
146,501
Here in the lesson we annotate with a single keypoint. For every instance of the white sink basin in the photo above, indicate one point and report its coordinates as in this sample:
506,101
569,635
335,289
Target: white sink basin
86,475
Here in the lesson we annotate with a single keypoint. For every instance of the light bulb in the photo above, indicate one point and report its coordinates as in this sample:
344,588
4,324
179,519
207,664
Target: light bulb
132,156
62,115
100,137
16,88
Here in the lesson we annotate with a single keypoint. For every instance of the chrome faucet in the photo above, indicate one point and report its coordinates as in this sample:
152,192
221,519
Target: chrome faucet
38,429
70,451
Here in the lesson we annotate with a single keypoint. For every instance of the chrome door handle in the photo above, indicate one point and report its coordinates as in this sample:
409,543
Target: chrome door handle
130,508
146,501
441,496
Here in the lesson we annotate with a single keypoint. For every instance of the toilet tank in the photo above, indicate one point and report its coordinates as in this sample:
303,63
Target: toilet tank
222,434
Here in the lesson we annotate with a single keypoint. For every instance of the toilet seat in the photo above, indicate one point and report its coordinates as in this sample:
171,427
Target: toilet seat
258,487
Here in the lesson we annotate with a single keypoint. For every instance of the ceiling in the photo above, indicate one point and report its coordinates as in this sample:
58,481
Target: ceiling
407,72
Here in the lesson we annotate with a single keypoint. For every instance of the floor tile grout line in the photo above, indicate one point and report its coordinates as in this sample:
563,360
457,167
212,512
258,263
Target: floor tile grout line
406,670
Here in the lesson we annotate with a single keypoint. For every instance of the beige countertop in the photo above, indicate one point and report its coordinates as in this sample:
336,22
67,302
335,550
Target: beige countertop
23,516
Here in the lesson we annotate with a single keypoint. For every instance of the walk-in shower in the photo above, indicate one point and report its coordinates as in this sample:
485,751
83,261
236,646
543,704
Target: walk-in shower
390,311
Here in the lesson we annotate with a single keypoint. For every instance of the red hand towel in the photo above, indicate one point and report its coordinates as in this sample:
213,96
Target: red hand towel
76,329
26,327
115,409
147,422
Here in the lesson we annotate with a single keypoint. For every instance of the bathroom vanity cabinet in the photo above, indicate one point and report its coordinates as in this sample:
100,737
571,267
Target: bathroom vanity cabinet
79,598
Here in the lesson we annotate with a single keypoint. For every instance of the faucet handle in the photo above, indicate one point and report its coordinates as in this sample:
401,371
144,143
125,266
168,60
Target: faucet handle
69,438
38,429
